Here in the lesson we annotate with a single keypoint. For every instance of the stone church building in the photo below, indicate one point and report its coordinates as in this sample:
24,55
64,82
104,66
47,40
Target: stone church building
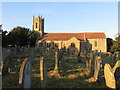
77,41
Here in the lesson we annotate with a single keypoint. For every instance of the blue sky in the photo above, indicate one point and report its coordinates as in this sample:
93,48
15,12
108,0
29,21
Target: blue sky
61,17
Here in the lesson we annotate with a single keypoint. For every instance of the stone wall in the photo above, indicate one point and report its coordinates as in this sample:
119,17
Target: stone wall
66,44
101,44
79,45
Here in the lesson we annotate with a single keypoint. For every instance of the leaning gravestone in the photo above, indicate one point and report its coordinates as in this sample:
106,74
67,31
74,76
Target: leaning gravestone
109,73
25,74
109,76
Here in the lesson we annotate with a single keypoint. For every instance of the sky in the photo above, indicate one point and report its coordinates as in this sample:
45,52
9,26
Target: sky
69,17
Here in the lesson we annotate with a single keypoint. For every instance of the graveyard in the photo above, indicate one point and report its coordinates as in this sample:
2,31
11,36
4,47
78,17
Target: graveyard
53,68
60,45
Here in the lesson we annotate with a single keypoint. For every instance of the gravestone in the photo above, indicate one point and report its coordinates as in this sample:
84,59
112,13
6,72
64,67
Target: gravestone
114,57
90,60
60,55
1,66
117,77
43,72
109,76
97,66
56,61
79,57
116,65
55,72
21,52
119,56
112,75
25,74
8,63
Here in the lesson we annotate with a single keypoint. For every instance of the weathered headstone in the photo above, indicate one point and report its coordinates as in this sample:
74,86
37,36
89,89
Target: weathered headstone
79,57
112,75
25,74
117,77
21,53
115,66
56,61
109,76
1,66
98,61
55,72
114,57
43,72
8,63
97,67
119,56
91,57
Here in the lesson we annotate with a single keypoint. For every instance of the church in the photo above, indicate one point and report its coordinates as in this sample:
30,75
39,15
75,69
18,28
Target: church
70,41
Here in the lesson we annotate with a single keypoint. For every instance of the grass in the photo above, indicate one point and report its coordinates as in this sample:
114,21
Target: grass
68,65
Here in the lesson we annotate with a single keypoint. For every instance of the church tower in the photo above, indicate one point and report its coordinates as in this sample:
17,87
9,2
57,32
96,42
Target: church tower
38,25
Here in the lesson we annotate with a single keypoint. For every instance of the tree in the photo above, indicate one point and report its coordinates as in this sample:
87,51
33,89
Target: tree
116,44
22,36
18,36
109,44
4,39
33,35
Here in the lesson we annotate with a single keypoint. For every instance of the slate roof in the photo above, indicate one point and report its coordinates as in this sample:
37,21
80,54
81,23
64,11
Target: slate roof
67,36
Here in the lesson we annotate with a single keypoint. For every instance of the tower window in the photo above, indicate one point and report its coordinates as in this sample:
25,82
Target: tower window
95,43
35,25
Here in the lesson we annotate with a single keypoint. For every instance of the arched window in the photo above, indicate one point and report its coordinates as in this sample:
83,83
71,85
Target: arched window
72,45
95,43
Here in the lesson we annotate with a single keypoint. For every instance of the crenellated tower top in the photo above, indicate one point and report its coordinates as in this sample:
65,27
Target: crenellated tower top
38,25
